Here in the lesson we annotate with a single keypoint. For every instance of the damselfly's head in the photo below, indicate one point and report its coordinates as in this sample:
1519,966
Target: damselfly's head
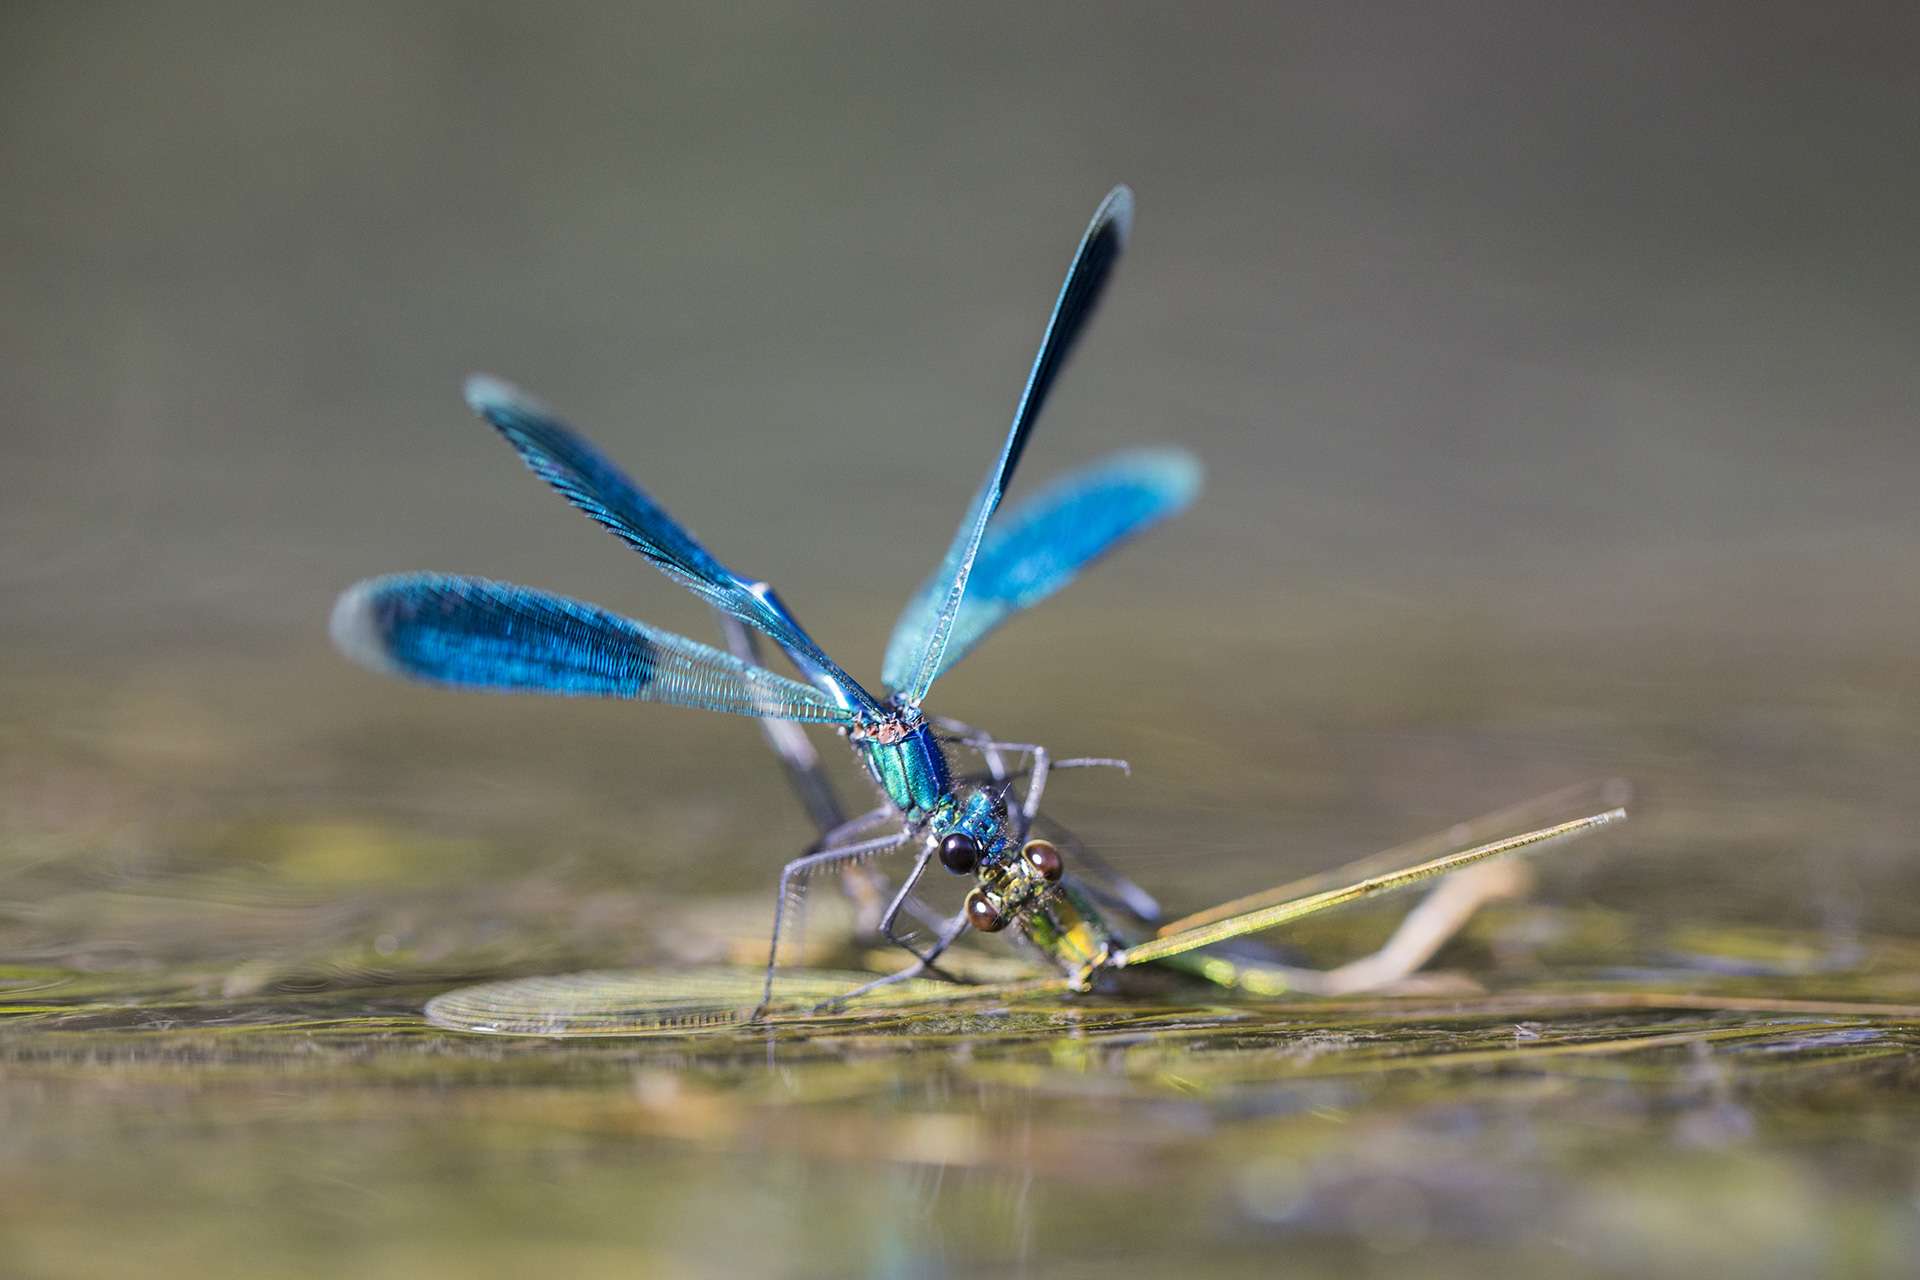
974,831
1012,887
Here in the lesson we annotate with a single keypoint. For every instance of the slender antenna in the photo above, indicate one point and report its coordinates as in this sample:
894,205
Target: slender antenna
1281,913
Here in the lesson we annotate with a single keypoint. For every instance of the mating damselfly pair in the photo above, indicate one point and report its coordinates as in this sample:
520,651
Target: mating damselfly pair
1085,921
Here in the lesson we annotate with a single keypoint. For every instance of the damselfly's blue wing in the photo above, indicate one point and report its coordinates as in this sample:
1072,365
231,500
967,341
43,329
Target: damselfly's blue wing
477,634
1038,547
590,482
930,630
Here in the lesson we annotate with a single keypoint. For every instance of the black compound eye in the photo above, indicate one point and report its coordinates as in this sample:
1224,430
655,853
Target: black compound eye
983,915
1043,858
959,852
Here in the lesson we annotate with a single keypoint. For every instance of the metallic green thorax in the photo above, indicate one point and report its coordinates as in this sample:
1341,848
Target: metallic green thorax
911,769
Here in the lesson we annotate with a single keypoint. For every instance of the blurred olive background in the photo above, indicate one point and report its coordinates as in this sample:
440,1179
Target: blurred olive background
1552,367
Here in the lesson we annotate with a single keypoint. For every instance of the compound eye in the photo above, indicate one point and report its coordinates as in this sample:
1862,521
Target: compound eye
1043,858
959,852
983,915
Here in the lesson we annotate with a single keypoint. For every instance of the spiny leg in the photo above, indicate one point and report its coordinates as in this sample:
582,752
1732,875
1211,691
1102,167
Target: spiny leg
1041,763
922,965
807,776
1036,781
959,730
796,873
839,835
944,938
976,740
1042,767
870,914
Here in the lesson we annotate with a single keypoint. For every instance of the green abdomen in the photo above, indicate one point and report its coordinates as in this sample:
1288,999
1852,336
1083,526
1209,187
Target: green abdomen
1069,931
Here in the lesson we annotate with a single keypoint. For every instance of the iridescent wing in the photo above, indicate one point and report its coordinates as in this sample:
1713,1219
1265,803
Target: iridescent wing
1041,545
476,634
590,482
924,634
1179,941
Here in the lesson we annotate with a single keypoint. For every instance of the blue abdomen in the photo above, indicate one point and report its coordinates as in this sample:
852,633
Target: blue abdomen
912,771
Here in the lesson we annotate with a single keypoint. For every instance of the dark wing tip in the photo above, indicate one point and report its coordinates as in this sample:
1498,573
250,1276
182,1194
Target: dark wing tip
1116,211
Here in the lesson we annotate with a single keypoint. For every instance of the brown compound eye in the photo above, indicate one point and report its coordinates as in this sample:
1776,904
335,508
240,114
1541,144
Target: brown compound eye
983,915
1043,858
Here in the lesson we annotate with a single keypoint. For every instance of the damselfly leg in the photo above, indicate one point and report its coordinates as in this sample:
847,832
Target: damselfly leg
923,964
794,876
1032,759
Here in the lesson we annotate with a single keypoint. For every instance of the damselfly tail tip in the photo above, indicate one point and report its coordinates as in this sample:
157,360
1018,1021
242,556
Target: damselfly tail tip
355,627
